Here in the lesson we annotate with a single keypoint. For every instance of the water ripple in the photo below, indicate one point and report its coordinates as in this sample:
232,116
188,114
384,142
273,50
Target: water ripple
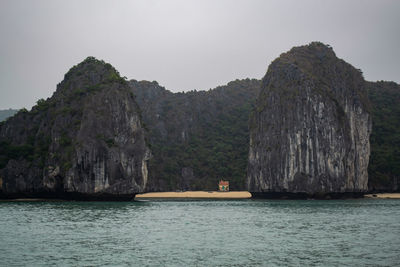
201,233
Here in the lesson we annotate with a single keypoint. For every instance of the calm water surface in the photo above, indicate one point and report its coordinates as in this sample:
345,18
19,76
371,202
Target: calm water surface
201,233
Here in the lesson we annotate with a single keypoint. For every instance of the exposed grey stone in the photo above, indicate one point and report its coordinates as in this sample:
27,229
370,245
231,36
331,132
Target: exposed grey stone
311,126
87,138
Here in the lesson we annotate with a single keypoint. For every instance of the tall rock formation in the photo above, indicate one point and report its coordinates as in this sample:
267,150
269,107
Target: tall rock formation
87,140
197,137
309,132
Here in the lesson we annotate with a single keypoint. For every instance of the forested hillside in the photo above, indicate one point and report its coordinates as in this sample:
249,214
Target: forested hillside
384,165
197,137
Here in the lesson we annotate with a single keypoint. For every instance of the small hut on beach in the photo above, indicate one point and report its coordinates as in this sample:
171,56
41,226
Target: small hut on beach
223,186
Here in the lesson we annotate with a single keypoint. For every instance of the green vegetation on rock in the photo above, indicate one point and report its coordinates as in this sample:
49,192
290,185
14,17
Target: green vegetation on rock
198,137
384,166
57,138
17,152
302,127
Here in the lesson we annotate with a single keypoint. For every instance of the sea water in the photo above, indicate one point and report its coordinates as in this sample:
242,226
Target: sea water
363,232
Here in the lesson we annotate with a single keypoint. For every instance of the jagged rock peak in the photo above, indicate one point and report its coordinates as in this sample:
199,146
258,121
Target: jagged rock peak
86,139
87,75
317,62
90,66
312,51
310,129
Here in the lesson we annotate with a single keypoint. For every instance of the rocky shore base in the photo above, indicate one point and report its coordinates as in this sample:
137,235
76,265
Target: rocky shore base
67,196
287,195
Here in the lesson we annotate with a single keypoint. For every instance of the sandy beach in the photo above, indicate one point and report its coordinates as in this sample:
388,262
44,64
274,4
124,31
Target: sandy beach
195,195
384,195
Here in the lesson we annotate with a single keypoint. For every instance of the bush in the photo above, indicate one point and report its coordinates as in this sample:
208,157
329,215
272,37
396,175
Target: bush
42,104
9,151
65,140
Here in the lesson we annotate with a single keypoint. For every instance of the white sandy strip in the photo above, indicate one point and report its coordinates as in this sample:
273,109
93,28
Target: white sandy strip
196,194
383,195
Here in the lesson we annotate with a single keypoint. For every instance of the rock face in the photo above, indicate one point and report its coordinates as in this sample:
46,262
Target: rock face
86,140
197,137
309,132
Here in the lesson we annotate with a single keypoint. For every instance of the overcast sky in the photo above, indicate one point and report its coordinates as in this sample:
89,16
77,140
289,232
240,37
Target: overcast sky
185,44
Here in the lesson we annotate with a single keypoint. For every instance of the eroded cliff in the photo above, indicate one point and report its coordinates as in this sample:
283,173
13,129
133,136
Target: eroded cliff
87,140
309,132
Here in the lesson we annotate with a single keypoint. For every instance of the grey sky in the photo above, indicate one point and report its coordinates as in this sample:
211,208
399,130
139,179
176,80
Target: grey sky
185,44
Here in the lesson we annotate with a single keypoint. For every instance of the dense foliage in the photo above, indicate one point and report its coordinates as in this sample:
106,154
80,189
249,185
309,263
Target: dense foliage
384,166
217,151
197,138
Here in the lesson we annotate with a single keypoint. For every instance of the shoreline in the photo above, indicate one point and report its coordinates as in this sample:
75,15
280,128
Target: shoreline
195,195
200,195
383,196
